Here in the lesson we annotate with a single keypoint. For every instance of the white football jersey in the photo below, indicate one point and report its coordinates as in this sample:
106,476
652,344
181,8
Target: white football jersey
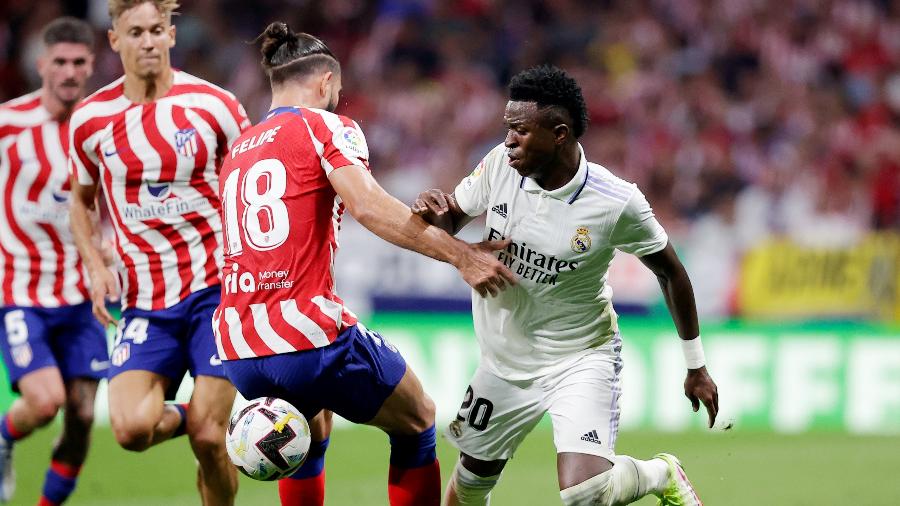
562,244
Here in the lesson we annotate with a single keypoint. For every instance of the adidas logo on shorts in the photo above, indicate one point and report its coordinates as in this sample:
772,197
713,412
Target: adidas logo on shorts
500,209
591,437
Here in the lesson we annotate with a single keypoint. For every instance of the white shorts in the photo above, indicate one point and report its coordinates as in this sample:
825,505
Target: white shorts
582,399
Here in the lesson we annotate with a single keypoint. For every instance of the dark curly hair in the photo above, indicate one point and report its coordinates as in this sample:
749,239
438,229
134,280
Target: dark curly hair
550,86
287,54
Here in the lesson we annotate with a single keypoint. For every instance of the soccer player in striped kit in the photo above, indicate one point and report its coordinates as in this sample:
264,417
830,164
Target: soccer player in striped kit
281,329
153,140
551,344
54,350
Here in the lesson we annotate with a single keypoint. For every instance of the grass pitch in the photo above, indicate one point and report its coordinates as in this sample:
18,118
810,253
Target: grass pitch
730,469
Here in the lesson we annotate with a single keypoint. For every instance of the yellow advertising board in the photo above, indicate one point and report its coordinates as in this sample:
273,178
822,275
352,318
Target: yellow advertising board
781,279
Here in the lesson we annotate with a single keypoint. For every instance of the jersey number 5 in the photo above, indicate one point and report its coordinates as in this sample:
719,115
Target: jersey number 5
264,220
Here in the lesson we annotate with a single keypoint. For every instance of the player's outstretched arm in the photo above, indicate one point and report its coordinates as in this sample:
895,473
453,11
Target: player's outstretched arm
441,210
679,294
103,283
394,222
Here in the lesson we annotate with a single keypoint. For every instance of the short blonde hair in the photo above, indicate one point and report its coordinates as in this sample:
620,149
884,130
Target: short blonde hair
117,7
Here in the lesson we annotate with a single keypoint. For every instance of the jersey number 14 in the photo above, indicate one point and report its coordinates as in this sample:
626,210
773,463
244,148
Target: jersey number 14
264,220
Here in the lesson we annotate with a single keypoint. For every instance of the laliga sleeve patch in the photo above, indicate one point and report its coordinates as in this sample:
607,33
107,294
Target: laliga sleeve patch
478,171
351,140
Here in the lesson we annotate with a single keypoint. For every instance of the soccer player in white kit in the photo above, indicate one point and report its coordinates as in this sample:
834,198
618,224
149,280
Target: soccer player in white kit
551,343
153,140
54,351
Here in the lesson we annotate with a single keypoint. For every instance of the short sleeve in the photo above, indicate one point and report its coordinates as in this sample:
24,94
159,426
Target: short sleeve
231,123
239,114
340,140
473,193
348,146
83,163
637,231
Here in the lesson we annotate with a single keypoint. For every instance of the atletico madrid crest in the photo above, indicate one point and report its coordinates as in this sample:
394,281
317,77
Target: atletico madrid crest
186,142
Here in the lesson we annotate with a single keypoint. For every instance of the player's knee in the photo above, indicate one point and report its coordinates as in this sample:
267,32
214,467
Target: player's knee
413,451
422,418
471,488
132,433
133,438
45,407
207,440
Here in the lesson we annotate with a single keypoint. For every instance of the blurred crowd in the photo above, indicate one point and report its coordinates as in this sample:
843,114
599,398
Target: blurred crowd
739,119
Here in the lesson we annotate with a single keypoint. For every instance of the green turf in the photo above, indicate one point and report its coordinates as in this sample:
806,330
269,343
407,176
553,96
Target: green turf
731,469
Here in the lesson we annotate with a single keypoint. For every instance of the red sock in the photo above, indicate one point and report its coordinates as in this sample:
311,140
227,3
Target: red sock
418,486
43,501
303,492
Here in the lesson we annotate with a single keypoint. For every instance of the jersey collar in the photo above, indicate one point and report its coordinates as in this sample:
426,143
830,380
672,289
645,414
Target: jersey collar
279,110
567,192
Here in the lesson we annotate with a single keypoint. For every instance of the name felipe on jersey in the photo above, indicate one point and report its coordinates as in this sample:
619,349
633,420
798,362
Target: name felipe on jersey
529,263
246,282
255,142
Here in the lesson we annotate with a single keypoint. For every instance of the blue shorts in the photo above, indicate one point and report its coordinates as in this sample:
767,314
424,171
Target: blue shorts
68,338
352,376
170,341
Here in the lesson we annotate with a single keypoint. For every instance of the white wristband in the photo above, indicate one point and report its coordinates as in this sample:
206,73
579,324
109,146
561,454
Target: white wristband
693,353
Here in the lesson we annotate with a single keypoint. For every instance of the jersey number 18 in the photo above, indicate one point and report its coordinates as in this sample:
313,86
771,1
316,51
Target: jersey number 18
264,220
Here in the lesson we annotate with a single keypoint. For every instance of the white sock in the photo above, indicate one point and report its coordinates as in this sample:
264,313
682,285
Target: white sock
652,475
628,480
468,489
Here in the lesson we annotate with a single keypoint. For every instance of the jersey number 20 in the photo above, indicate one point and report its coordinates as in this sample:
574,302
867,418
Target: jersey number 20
264,221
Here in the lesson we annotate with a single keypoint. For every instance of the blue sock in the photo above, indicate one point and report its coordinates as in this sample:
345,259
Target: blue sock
414,451
182,427
59,482
315,461
8,432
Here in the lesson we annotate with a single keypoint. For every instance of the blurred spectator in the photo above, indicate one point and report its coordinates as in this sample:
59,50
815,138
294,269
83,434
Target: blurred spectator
747,117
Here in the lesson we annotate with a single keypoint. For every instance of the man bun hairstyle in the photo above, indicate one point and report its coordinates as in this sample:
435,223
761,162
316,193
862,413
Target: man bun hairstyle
550,87
287,54
68,29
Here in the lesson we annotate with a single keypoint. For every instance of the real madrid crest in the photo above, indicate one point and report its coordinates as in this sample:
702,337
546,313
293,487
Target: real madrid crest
581,241
455,428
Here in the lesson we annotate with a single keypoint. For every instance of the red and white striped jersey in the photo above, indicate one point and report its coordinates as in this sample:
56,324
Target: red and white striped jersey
40,264
157,164
281,218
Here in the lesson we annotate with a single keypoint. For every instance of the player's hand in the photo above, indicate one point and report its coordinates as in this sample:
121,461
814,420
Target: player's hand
104,288
699,387
481,269
434,207
108,250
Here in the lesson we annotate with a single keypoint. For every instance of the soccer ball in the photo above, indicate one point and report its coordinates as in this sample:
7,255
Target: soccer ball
267,439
